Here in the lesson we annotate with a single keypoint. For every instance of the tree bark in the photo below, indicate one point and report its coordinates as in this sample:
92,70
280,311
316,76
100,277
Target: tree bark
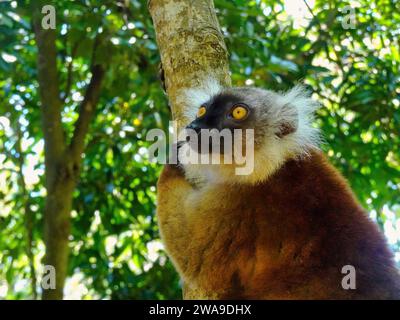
62,161
192,48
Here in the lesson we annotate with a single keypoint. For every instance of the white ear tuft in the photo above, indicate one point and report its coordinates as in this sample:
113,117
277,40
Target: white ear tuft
305,136
299,97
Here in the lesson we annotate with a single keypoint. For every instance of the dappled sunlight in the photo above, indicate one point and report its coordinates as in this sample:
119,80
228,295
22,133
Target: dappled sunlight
115,248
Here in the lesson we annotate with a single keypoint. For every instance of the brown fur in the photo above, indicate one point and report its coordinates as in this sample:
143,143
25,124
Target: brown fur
285,238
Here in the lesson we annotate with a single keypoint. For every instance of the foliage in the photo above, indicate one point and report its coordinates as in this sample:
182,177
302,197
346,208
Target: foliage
115,247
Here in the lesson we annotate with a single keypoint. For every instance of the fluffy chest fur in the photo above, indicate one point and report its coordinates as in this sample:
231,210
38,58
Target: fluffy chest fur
287,237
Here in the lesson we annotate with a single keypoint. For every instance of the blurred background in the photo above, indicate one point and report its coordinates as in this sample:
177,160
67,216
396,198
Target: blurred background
115,250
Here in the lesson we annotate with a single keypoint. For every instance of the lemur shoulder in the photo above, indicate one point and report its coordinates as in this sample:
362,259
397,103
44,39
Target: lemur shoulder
283,232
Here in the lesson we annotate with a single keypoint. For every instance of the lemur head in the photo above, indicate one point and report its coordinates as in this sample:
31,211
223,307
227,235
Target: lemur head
281,124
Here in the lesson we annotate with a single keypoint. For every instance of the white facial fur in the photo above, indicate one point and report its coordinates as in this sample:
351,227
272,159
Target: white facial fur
271,151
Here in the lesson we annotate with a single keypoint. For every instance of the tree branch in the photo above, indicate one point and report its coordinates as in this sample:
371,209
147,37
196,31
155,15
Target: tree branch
86,111
87,107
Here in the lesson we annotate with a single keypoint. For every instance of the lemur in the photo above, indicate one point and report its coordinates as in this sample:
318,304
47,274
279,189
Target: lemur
286,230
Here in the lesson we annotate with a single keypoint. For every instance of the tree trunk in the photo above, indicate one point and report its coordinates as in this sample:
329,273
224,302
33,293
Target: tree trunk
62,160
192,48
57,229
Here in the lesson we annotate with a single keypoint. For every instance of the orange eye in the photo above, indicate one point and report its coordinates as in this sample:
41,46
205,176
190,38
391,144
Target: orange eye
239,113
201,112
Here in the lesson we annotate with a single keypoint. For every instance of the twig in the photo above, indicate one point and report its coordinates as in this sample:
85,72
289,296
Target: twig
69,72
28,214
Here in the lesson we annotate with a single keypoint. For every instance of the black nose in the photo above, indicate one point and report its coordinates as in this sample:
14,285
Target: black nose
194,127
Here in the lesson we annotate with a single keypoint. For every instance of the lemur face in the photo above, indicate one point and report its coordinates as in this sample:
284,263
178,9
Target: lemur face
280,125
222,114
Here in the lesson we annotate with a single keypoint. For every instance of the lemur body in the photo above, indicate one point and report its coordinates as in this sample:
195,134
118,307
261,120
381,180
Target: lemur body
285,231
